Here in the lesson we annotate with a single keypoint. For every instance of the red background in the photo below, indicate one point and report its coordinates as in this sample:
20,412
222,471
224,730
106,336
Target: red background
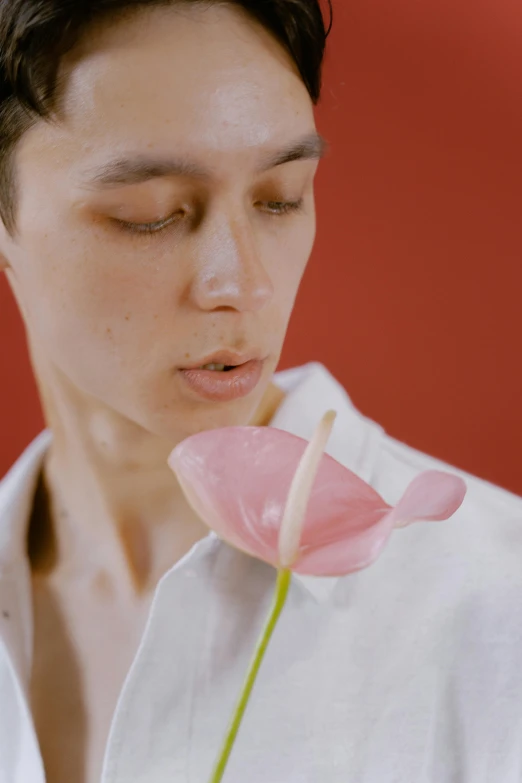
413,295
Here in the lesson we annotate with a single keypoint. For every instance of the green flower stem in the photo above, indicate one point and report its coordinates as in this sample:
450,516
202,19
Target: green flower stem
284,578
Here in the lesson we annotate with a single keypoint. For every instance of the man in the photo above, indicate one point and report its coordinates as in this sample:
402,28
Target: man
157,171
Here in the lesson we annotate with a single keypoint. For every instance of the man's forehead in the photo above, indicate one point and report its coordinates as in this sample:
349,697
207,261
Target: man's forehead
127,122
166,49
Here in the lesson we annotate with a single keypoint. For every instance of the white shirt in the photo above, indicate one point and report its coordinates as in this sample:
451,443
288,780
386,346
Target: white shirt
407,672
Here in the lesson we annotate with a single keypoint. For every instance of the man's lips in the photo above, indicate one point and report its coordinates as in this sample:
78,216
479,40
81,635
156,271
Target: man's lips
221,385
227,358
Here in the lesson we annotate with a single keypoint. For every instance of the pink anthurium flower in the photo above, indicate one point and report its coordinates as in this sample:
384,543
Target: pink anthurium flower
237,479
281,499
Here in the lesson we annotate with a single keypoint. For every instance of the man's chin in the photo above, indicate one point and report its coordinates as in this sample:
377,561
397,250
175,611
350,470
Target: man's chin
188,417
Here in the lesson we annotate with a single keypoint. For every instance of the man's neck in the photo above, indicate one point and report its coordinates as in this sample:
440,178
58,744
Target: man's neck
104,515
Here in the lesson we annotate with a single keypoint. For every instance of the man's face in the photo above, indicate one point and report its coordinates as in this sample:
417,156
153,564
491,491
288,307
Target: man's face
154,226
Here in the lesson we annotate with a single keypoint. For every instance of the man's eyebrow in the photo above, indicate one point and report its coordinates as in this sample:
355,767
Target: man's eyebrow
311,147
135,170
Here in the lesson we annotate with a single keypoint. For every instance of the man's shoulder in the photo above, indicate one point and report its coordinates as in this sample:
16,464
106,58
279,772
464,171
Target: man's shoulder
399,463
362,444
478,552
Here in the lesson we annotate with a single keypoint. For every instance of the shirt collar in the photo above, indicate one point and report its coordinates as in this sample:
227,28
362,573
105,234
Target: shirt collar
310,391
16,498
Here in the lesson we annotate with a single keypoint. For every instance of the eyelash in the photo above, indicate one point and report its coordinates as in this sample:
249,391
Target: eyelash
275,208
284,207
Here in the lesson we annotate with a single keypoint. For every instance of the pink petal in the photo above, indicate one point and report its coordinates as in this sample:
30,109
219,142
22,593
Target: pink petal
431,496
237,479
355,550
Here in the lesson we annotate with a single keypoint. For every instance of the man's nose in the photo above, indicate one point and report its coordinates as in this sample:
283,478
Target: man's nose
230,272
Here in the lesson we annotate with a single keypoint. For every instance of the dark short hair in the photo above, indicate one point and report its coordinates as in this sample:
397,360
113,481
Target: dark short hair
36,34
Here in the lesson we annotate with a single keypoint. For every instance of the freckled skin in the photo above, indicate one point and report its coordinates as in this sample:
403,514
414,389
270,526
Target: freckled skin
110,315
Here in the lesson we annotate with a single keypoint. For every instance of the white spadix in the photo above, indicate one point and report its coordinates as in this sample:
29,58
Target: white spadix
300,491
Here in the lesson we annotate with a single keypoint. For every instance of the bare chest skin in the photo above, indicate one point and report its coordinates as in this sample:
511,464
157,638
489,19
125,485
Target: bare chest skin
84,647
85,639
